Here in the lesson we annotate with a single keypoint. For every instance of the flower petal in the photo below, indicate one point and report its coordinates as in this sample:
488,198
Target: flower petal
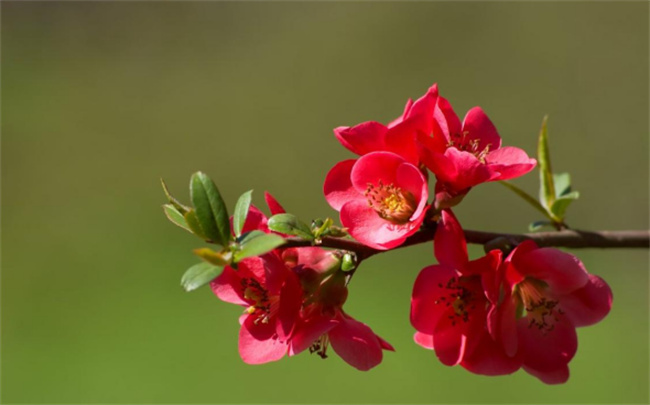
356,343
547,350
507,328
557,376
401,140
308,331
446,120
477,125
449,246
510,162
590,304
429,287
275,272
255,220
289,306
563,272
423,340
254,348
488,358
366,226
338,187
411,179
227,286
423,109
449,339
363,138
464,170
273,204
374,168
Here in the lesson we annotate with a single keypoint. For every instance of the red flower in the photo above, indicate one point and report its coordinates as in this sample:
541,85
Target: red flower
465,155
399,136
548,294
381,198
323,322
272,296
450,303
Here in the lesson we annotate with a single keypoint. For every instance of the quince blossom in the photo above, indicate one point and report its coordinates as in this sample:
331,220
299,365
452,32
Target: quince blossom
548,293
451,300
465,155
381,198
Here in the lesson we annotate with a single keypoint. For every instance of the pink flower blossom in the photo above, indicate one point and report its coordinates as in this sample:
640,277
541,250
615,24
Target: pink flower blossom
465,155
450,303
548,294
381,198
399,136
323,323
272,296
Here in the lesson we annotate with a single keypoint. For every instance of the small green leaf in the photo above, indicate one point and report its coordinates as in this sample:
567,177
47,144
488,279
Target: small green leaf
241,211
210,209
215,258
199,275
528,198
180,207
547,187
560,205
537,225
321,227
243,239
562,182
175,216
259,245
289,224
193,223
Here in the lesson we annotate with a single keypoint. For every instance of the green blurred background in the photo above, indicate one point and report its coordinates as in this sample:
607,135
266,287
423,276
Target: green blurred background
99,100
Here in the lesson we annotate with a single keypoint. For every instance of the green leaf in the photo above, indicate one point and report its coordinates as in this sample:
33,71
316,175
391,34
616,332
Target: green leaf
537,225
528,198
180,207
215,258
193,223
322,227
241,211
243,239
175,216
560,205
289,224
199,275
210,209
259,245
547,187
562,184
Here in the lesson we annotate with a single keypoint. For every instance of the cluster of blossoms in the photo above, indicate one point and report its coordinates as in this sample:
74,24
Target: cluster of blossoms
493,315
293,301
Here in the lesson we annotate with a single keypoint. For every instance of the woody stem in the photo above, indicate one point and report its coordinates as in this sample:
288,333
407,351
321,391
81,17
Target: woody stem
494,240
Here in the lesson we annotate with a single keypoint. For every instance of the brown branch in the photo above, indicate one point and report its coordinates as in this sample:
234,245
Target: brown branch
493,240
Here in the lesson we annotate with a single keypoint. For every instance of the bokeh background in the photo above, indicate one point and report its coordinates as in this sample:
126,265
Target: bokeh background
99,100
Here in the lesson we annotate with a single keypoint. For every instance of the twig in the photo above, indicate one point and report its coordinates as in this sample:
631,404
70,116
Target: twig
494,240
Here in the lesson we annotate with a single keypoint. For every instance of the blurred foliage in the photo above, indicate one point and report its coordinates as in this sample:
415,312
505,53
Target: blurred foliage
101,99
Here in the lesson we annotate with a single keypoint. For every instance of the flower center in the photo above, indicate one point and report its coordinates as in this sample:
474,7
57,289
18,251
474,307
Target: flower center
261,304
464,144
390,202
320,346
462,295
541,311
